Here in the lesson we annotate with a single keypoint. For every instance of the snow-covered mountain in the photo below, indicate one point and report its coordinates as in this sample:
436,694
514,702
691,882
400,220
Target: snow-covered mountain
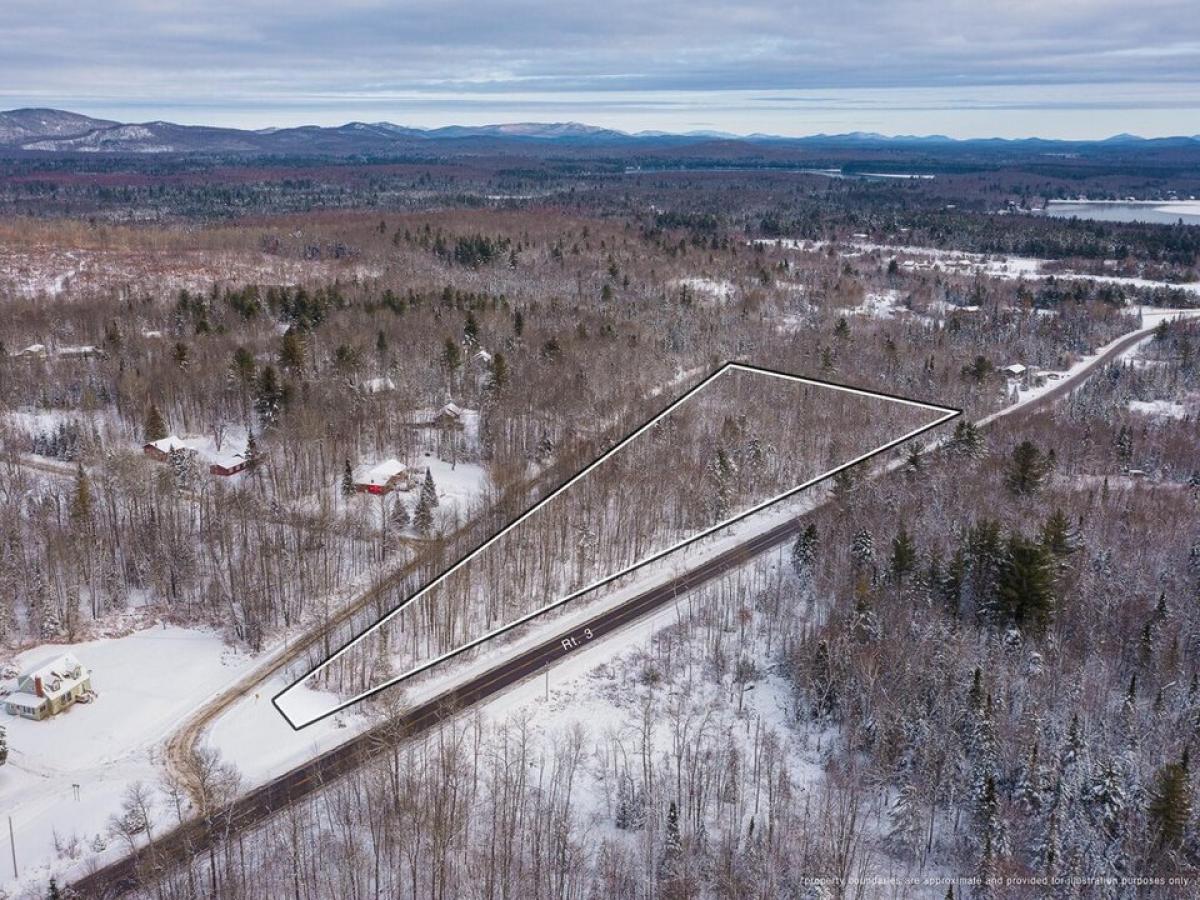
58,131
20,125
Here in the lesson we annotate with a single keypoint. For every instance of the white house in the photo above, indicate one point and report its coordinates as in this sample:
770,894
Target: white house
50,687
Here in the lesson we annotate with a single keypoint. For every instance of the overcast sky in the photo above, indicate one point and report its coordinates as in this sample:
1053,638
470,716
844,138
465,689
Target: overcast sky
1010,68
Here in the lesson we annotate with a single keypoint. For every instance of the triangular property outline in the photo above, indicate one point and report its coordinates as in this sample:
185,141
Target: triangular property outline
947,412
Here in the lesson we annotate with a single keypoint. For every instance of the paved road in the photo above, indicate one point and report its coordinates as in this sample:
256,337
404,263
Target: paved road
261,803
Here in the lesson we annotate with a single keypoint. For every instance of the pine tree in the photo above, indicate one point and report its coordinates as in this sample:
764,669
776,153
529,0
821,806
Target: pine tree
1170,808
624,807
429,490
499,373
1058,536
967,441
862,549
1030,785
252,455
904,555
269,396
1027,469
347,480
81,503
1107,798
451,356
1025,590
804,551
291,351
400,516
3,746
977,566
243,366
423,515
721,474
672,845
471,331
155,428
906,820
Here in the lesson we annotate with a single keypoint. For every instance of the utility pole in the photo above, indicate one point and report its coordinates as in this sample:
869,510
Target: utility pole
12,842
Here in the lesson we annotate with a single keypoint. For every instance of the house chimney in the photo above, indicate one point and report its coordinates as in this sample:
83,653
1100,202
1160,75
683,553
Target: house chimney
37,686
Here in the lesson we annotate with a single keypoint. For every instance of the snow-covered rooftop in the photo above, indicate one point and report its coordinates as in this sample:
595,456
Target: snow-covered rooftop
58,674
380,473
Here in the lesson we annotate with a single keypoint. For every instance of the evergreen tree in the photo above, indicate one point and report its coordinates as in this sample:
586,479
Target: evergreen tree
1170,808
1058,536
429,490
1030,785
270,396
804,551
518,324
471,331
243,366
423,515
1025,591
721,475
400,516
906,820
81,502
1027,469
3,746
672,845
291,351
347,480
967,441
156,427
862,549
977,567
1107,798
499,373
451,356
904,555
253,458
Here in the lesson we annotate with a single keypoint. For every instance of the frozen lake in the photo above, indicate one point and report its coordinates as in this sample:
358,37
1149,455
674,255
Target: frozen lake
1155,212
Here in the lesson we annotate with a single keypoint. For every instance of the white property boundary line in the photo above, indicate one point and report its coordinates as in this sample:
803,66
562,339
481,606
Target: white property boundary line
947,413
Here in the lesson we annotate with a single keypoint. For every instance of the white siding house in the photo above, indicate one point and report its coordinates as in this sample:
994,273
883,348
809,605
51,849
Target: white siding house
49,687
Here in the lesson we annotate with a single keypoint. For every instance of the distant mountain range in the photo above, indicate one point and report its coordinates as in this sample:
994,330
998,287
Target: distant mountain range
36,131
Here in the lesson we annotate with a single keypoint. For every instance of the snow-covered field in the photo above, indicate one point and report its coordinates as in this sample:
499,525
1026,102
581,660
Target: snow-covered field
66,775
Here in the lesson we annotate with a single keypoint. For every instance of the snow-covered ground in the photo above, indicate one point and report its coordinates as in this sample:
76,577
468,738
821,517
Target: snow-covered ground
879,305
963,263
1159,409
66,775
33,271
262,744
708,288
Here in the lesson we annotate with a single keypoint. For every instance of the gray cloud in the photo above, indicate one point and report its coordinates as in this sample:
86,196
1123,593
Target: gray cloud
621,63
